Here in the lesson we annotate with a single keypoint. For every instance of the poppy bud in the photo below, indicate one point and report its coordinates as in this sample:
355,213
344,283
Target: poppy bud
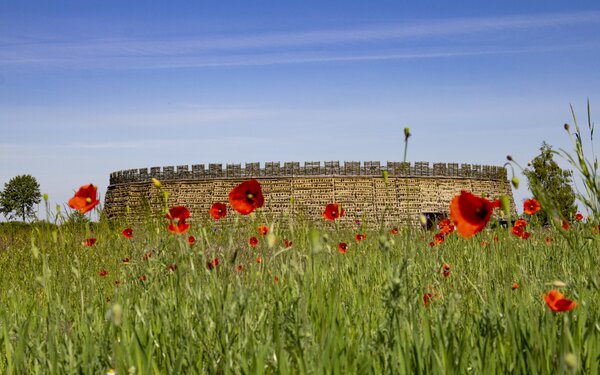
509,158
406,133
45,197
515,182
567,127
505,204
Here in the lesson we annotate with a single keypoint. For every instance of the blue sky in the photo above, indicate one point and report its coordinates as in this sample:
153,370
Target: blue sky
87,89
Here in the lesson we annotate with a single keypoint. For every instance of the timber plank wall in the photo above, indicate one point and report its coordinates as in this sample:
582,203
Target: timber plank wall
398,192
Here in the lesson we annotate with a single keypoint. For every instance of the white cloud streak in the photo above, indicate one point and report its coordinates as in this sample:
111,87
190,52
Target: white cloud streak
211,51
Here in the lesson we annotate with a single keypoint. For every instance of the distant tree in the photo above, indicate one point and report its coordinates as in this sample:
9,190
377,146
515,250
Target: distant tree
20,194
551,186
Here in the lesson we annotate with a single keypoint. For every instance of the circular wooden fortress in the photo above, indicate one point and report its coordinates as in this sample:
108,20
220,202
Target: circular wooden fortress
397,193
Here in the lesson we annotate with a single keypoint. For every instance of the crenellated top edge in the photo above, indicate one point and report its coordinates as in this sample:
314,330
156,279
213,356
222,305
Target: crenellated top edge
310,168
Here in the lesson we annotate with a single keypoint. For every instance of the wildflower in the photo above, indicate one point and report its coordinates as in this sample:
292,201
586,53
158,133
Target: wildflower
445,226
287,243
557,302
495,238
526,235
191,240
147,255
431,244
394,231
520,223
263,230
276,280
483,243
518,231
125,260
342,247
427,297
239,268
212,264
117,282
218,210
177,217
358,222
514,286
471,213
531,206
565,225
359,237
549,240
439,238
246,197
103,273
128,232
89,242
578,216
85,199
172,267
333,211
258,259
142,278
446,270
253,241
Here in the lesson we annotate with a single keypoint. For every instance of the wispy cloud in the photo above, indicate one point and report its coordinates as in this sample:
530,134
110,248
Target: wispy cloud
300,46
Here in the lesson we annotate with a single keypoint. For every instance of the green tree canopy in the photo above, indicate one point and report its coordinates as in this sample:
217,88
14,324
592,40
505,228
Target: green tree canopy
551,185
20,194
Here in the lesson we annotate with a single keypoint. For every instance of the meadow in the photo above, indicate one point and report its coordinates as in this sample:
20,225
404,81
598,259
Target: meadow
154,303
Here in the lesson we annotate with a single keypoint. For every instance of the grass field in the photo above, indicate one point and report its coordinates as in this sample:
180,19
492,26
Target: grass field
307,308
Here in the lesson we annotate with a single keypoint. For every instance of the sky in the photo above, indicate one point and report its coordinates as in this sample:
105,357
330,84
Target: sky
88,88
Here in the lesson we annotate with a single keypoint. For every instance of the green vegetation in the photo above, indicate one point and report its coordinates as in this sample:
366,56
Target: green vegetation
304,309
20,194
551,185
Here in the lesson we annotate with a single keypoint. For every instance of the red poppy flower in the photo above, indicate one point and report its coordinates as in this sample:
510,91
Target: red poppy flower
342,247
446,226
565,225
177,217
103,273
246,197
515,286
333,211
557,302
147,255
212,264
253,241
287,243
526,235
89,242
191,240
431,244
263,230
578,216
218,210
483,243
258,259
427,297
495,238
518,231
117,282
172,267
531,206
85,199
128,232
276,280
520,223
471,213
394,231
142,278
359,237
446,270
125,260
439,238
239,268
549,240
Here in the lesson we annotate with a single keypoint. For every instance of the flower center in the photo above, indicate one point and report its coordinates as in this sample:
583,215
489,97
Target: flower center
88,199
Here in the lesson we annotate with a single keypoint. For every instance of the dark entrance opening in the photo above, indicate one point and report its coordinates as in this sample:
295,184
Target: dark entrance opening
432,219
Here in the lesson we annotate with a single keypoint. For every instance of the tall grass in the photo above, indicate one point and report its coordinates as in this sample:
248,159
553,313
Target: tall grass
305,309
